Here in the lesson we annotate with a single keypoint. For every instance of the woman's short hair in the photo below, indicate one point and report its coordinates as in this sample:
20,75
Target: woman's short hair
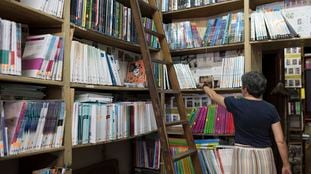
255,83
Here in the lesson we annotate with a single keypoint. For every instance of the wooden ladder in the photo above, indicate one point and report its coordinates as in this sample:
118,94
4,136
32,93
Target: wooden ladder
137,7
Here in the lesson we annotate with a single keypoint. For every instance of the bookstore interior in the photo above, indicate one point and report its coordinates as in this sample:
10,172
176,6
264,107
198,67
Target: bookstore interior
118,86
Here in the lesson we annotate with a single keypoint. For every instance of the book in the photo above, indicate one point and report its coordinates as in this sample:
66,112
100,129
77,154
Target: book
136,73
147,153
292,67
173,5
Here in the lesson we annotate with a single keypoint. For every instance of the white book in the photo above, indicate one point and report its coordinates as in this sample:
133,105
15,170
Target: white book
37,4
74,129
93,133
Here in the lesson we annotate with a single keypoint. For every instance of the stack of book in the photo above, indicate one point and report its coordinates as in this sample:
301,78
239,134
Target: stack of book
31,125
218,30
10,47
54,170
213,119
53,7
43,57
100,121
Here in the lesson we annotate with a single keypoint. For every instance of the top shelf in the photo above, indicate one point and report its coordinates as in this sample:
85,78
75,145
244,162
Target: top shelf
106,40
203,11
281,43
15,11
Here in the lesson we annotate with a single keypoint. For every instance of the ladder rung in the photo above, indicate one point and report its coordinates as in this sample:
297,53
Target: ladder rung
184,154
168,91
147,10
160,36
175,123
161,61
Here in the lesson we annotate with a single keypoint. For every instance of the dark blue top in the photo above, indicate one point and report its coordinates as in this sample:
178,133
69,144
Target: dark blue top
252,120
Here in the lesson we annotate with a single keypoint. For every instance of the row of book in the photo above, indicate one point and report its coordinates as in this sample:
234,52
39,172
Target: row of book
147,153
184,165
211,119
172,5
232,71
31,125
207,67
93,66
109,17
106,16
294,107
99,122
279,22
53,170
218,30
214,159
43,57
53,7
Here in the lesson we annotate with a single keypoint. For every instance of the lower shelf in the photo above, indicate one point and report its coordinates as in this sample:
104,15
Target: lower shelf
112,141
31,153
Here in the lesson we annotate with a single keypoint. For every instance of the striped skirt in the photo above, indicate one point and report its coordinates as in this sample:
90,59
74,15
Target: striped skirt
249,160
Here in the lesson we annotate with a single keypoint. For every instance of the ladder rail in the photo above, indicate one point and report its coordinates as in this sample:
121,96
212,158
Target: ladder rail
158,109
158,112
157,17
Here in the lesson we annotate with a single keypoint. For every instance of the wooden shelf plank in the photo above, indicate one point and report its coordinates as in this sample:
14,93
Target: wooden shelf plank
201,50
106,88
32,153
219,90
281,43
113,141
15,11
254,3
179,131
106,40
29,80
203,11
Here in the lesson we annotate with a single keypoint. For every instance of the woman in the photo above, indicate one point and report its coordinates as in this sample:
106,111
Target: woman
254,119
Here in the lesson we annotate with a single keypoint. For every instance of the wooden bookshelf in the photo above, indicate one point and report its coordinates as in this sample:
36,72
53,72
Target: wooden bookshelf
32,153
203,11
201,50
281,43
15,11
29,80
113,141
105,88
102,38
